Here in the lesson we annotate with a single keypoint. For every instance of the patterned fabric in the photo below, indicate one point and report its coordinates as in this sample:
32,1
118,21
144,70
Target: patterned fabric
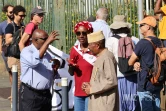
85,24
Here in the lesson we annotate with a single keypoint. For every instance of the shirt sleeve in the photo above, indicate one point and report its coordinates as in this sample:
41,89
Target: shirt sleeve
9,29
73,55
139,48
164,9
108,79
29,28
30,58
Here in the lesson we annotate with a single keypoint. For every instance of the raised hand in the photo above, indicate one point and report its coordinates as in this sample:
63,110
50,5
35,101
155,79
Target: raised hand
53,36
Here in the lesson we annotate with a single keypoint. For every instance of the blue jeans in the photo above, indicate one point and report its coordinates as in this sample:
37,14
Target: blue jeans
149,101
80,103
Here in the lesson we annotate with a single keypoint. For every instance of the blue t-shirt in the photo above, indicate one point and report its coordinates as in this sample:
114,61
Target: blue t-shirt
3,25
145,52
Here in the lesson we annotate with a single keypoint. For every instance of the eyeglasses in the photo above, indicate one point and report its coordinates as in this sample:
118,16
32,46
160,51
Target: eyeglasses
83,33
11,12
22,16
141,25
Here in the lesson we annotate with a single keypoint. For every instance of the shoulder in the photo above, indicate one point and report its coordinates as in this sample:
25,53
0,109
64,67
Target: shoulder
25,49
156,41
142,42
3,23
10,25
107,55
112,39
30,24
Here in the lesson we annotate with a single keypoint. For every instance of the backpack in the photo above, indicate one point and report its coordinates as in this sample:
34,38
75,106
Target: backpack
157,73
13,47
125,49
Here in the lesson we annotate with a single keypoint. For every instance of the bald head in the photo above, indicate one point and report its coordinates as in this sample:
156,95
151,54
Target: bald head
38,33
102,13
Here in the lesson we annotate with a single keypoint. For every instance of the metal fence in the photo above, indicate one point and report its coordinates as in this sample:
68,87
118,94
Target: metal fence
62,15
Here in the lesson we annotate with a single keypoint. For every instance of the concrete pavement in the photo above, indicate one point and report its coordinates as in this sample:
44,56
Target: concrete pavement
4,88
4,93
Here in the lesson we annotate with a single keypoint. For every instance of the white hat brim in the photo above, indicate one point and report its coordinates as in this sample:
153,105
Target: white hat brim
118,25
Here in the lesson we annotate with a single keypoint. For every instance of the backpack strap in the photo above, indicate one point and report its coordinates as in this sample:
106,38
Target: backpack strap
13,27
151,42
117,36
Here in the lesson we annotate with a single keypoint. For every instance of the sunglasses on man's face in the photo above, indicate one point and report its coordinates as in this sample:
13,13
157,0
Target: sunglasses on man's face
40,14
43,38
22,16
141,25
81,33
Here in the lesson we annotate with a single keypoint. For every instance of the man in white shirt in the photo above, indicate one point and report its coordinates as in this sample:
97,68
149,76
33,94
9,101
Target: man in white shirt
100,23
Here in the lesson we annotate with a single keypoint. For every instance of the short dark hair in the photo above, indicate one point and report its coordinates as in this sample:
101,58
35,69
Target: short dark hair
18,8
5,8
121,30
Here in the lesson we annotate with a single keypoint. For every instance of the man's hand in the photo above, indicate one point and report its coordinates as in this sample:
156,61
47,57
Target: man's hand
52,36
56,64
86,87
137,66
71,62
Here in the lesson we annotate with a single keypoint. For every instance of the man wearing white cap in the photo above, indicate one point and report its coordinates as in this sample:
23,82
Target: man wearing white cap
103,84
37,15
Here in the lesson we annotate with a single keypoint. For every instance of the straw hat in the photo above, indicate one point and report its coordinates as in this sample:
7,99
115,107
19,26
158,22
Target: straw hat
119,22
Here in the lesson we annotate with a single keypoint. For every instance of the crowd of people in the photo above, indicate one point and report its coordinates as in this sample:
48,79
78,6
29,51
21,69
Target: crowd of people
100,83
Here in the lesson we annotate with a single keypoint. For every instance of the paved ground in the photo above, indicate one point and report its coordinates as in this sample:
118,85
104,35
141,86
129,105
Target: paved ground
4,88
4,93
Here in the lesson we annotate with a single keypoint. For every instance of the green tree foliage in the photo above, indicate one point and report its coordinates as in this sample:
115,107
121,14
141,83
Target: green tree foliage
2,16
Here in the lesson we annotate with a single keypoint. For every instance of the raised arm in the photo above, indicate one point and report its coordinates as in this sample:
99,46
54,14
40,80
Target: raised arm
23,40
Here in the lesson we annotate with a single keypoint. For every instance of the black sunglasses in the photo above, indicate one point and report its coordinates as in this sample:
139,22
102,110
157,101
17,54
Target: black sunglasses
141,25
43,38
83,33
11,12
22,16
40,14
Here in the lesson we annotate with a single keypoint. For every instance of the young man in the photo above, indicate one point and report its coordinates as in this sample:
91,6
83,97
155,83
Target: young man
103,86
37,73
8,10
19,15
37,16
149,94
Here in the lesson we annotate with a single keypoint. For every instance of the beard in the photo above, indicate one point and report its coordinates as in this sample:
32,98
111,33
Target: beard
11,17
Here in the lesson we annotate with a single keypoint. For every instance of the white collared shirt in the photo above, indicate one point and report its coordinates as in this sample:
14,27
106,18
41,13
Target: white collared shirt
103,26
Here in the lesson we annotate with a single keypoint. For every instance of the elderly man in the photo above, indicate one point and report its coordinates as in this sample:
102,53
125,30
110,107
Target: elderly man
101,23
37,16
37,73
103,84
